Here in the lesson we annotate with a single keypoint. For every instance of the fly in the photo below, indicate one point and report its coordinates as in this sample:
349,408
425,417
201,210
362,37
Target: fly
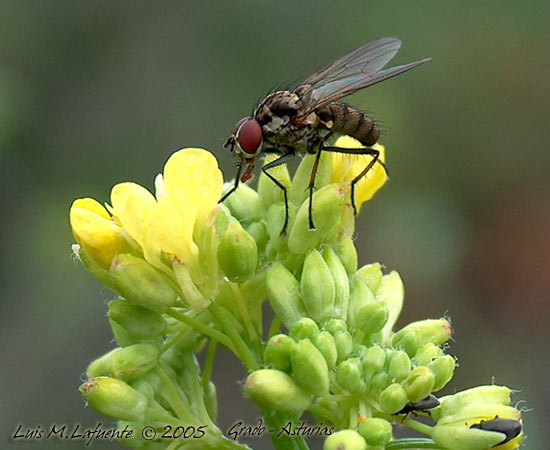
303,119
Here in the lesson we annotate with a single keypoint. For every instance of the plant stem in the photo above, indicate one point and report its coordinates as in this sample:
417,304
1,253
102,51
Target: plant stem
276,420
412,443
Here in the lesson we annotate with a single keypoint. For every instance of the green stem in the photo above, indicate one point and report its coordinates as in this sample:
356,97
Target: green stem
326,413
242,350
172,396
201,327
208,364
412,443
238,296
274,328
276,420
418,426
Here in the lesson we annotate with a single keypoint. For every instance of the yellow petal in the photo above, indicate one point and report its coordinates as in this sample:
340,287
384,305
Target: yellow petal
346,167
100,237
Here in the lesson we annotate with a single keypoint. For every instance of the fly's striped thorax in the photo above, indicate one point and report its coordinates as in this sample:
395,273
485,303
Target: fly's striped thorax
351,122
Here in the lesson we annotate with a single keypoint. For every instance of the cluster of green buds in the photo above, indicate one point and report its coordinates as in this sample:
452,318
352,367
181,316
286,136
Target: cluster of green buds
191,273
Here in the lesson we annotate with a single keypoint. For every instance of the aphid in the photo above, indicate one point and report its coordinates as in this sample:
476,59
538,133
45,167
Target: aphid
303,119
424,405
509,427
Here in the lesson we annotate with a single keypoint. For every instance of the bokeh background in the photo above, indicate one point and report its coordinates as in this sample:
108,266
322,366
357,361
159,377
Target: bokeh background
99,92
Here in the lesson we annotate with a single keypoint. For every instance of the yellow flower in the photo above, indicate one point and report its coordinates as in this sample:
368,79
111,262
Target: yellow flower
96,232
187,191
346,167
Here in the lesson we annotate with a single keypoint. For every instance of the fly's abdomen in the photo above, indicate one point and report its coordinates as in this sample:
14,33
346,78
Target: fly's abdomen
350,121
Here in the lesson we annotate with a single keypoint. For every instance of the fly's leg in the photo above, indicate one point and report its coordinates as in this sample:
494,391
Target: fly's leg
281,160
237,180
312,186
359,151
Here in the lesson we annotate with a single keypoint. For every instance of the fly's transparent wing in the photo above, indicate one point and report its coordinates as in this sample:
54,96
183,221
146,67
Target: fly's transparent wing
353,72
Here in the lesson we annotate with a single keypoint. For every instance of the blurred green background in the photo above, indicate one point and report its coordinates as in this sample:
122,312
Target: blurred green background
99,92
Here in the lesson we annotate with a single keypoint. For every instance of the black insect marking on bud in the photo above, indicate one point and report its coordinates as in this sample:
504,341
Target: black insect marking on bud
510,428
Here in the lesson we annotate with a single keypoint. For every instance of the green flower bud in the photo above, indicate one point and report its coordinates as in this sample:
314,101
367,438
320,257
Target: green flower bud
283,292
426,354
416,334
98,367
258,231
327,206
376,431
309,368
443,369
464,438
371,275
399,366
275,219
360,296
380,381
114,398
344,344
393,399
371,317
335,325
341,283
317,287
244,204
419,384
237,253
277,352
345,440
479,395
374,359
300,181
101,274
192,296
129,363
346,251
122,336
349,375
136,320
391,292
268,191
325,344
304,328
211,400
276,390
142,284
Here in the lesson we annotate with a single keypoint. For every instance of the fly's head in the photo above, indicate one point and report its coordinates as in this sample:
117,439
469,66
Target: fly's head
246,141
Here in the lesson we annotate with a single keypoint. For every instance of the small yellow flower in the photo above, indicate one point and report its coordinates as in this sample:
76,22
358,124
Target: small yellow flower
98,234
346,167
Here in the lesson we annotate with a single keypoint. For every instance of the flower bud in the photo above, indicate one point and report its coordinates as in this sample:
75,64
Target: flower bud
344,344
399,365
268,191
136,320
142,284
277,352
122,336
275,219
317,287
126,363
192,296
393,399
304,328
373,359
258,231
237,253
335,325
371,317
341,283
309,368
360,296
391,292
244,204
300,181
114,398
426,354
327,206
349,375
345,440
419,384
443,369
411,337
98,272
276,390
376,431
492,394
346,251
464,438
379,381
371,275
325,344
283,292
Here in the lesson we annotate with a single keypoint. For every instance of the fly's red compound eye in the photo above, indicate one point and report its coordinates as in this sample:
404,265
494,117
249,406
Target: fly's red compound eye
249,136
239,124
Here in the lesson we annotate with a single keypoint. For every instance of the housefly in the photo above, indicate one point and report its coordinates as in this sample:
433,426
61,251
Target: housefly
303,119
